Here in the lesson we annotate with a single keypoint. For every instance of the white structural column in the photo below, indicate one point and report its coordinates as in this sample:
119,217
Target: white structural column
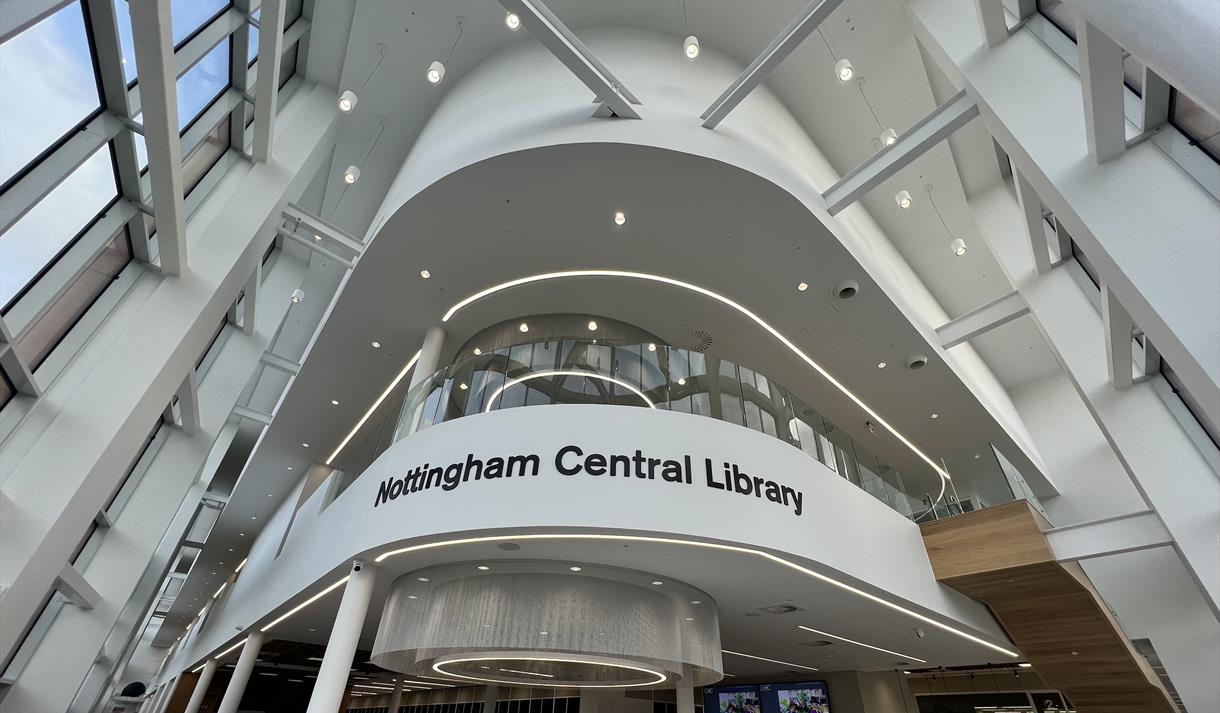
686,696
1118,328
341,648
1031,211
154,46
429,355
1101,80
991,21
201,687
241,673
267,87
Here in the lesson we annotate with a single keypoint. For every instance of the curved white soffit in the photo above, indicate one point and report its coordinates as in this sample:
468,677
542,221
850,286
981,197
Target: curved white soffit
944,475
564,372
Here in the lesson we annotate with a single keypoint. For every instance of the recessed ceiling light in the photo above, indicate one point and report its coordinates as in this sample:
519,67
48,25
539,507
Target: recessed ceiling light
935,416
619,217
690,618
575,568
483,568
288,467
304,445
347,101
1026,665
412,596
888,137
903,199
844,71
691,47
544,633
802,286
977,456
254,517
682,381
463,387
477,351
351,175
334,402
592,326
695,601
958,246
230,549
436,72
657,583
524,327
317,237
268,495
423,579
881,365
241,534
512,21
375,344
652,347
425,274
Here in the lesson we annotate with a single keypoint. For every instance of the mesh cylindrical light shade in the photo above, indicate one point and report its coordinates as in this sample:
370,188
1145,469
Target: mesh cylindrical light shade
549,629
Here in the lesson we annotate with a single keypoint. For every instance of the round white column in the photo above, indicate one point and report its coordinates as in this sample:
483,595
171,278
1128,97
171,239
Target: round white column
241,673
201,687
429,355
344,636
686,697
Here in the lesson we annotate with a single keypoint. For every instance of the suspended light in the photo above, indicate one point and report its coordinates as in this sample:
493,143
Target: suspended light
903,199
888,137
297,295
513,22
351,175
436,72
347,101
691,47
844,71
958,246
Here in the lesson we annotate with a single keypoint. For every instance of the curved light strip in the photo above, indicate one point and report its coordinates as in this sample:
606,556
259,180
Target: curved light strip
723,300
307,602
711,546
761,658
860,643
564,372
661,678
368,414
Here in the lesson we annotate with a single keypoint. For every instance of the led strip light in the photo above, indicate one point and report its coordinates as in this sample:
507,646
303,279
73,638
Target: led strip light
562,372
368,414
660,677
860,643
760,658
723,300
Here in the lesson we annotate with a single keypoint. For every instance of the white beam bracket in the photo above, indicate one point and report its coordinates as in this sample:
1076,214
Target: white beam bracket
982,320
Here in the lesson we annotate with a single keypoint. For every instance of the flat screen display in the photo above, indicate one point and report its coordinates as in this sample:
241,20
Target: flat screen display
731,699
809,697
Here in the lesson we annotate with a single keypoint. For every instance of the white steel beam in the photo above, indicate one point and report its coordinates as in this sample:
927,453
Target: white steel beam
188,403
153,37
73,586
991,21
575,55
1101,84
267,87
284,364
769,59
1110,536
983,319
1118,330
250,299
316,246
1156,94
19,15
933,129
247,412
319,226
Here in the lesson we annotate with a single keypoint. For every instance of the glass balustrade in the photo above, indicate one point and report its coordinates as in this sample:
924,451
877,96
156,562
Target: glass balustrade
632,373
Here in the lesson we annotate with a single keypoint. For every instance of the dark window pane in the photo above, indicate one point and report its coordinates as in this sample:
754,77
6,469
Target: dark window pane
204,156
36,240
288,65
292,12
199,86
7,390
188,16
43,335
49,87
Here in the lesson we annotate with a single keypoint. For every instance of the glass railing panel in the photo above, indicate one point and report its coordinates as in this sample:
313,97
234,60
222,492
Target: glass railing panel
731,409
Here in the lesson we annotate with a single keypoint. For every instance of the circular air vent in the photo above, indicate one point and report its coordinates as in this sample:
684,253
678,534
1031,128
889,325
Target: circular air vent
697,341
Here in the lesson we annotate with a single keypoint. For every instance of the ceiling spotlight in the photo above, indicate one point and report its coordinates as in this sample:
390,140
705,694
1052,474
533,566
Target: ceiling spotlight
1025,665
695,601
690,618
412,596
524,327
903,199
888,137
592,326
376,345
652,347
463,387
351,175
619,217
333,402
574,568
682,382
297,295
477,351
657,583
934,416
287,467
423,579
347,101
801,287
881,365
958,246
483,568
512,21
691,47
425,274
305,445
844,71
436,72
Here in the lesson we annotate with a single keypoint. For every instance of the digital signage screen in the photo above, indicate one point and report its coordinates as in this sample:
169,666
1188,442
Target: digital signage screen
732,699
811,697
